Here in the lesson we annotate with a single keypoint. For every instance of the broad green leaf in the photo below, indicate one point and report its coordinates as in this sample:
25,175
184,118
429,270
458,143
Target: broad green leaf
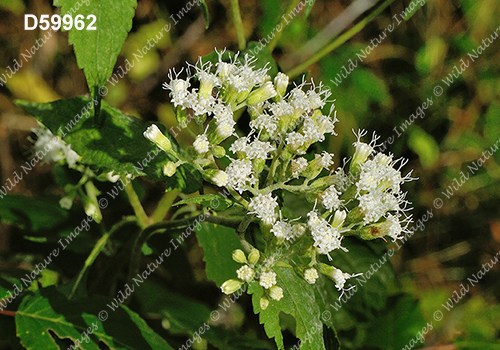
215,201
298,301
32,213
97,50
49,310
182,315
425,146
218,243
117,145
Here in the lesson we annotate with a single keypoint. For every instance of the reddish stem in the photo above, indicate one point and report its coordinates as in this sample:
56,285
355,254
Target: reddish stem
8,313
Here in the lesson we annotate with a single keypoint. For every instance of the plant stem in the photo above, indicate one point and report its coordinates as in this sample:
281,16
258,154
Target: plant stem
101,243
281,25
8,313
136,203
339,41
164,205
238,24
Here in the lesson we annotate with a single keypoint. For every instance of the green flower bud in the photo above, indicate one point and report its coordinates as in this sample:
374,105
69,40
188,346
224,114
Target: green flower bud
216,176
264,303
231,286
169,169
239,256
154,134
254,256
263,93
218,151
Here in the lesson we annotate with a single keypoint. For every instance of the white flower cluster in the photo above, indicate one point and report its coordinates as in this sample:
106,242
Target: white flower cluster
51,148
273,157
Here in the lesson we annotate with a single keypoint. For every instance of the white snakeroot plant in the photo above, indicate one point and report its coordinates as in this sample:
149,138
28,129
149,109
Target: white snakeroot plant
273,161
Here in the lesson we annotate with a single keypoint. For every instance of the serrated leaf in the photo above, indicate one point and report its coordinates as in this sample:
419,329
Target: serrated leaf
31,213
49,309
117,145
97,50
298,301
215,201
218,243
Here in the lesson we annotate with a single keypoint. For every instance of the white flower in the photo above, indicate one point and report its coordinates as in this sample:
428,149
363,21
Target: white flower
281,83
326,237
264,205
52,148
267,279
294,141
330,198
240,174
311,275
297,166
201,144
259,149
267,123
282,230
326,160
178,90
245,273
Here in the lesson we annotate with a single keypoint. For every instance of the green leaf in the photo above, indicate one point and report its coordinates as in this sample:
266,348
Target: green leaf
49,310
31,213
425,146
492,122
215,201
298,301
218,243
97,50
117,145
204,9
397,325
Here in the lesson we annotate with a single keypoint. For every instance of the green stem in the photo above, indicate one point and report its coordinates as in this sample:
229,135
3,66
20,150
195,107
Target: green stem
238,23
164,205
339,41
136,203
281,25
101,243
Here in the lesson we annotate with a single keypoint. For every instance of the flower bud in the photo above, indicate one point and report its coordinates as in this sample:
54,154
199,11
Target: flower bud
276,293
254,256
281,84
169,169
239,256
216,176
311,275
263,93
264,303
201,144
218,151
361,154
231,286
154,134
339,218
